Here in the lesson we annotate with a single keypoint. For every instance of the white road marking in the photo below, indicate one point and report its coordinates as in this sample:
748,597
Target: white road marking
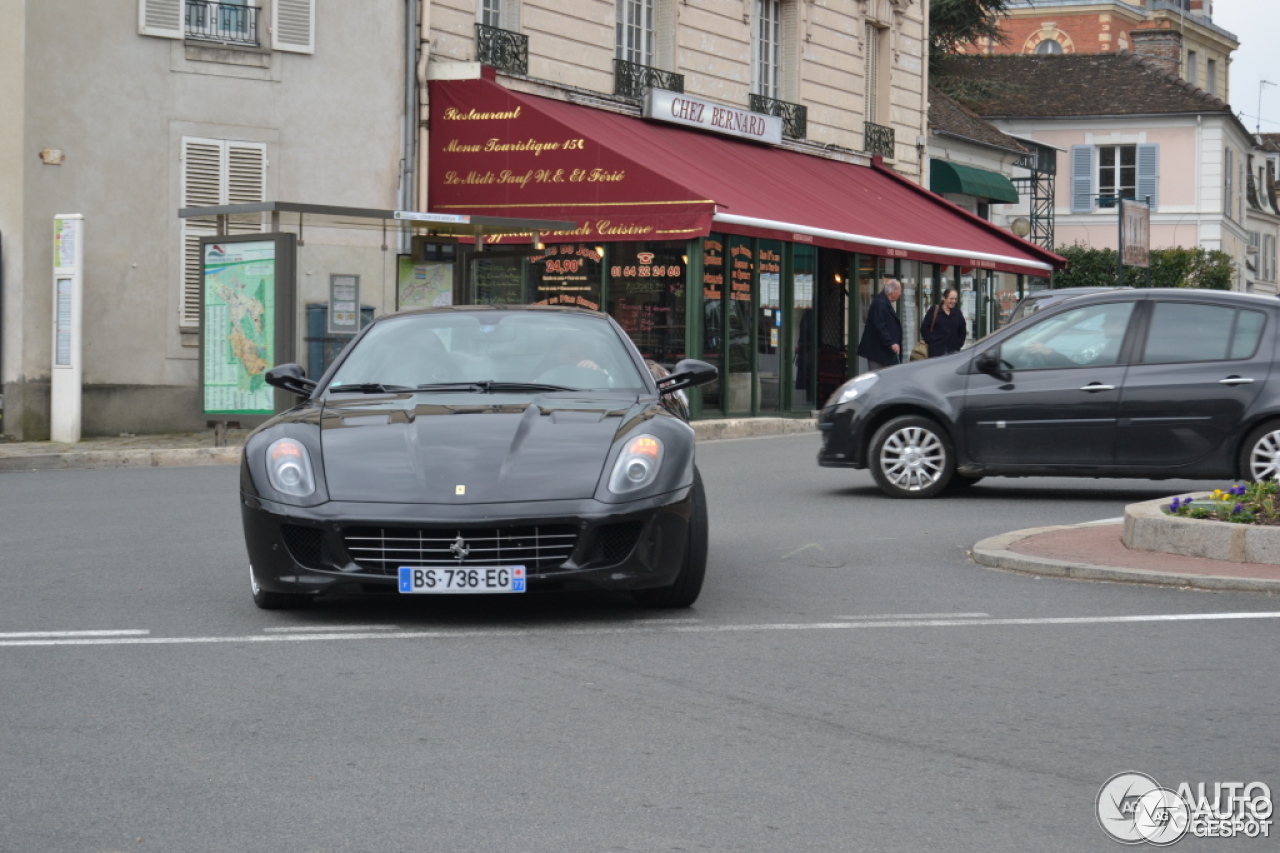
303,629
26,634
1116,520
504,633
676,621
917,616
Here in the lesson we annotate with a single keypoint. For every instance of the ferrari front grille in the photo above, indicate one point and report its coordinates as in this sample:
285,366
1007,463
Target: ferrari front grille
386,549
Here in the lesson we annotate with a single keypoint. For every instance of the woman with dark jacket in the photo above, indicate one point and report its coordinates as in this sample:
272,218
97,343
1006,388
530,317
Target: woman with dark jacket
944,328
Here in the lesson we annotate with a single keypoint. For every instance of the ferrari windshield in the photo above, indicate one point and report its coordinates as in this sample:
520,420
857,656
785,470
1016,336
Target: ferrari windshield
489,352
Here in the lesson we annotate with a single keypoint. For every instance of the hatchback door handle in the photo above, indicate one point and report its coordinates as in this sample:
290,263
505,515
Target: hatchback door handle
1097,387
1236,380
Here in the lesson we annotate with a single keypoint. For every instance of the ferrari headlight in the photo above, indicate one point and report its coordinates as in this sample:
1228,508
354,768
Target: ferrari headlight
854,388
637,465
289,468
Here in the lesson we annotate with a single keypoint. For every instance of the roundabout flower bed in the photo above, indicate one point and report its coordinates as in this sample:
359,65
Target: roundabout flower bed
1240,524
1243,503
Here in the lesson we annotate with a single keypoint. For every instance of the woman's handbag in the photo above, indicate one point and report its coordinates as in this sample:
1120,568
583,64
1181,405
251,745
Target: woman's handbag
920,351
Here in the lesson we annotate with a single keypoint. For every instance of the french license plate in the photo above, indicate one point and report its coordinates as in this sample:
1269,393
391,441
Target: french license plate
415,579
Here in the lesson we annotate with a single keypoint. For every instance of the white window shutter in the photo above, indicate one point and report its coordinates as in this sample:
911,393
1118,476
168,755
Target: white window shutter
161,18
666,21
202,186
1148,173
1081,178
293,25
246,183
216,172
789,86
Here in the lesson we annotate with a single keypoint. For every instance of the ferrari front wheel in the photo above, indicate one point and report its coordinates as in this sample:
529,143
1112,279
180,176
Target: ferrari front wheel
274,600
688,584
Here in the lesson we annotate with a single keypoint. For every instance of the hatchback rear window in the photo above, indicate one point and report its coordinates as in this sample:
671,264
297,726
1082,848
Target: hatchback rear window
1184,331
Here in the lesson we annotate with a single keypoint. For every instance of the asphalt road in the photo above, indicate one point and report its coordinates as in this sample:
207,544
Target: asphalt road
849,680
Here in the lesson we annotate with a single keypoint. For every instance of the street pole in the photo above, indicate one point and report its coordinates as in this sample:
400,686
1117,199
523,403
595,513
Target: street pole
1120,243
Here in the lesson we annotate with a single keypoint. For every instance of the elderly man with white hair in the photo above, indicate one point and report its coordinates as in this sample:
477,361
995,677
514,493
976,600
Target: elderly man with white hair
881,343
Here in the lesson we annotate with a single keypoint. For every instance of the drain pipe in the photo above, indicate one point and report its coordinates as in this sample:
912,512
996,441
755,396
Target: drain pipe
420,128
409,152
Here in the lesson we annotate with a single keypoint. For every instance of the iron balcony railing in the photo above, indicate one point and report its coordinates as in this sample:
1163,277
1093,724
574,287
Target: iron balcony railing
227,23
632,80
502,49
795,117
877,139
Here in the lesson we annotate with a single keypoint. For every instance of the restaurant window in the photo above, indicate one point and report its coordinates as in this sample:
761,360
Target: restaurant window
646,287
713,320
635,31
566,274
912,305
769,328
804,338
766,49
739,324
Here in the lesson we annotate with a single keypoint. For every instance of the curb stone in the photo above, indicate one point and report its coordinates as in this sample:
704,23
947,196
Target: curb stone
994,552
122,459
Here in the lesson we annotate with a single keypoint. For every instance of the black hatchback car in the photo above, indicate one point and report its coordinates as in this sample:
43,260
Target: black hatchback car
1124,383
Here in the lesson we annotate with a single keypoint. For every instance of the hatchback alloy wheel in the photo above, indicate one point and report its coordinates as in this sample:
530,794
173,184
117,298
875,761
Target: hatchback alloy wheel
1262,459
911,458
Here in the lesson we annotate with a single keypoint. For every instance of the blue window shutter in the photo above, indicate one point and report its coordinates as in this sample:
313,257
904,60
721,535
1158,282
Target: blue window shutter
1081,178
1148,173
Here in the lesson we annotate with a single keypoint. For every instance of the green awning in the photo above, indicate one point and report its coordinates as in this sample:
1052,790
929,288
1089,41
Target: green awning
946,177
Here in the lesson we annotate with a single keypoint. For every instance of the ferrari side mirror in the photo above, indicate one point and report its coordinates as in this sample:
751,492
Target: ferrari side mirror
291,377
688,373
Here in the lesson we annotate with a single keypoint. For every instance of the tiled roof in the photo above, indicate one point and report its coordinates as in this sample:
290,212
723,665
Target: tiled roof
948,116
1074,84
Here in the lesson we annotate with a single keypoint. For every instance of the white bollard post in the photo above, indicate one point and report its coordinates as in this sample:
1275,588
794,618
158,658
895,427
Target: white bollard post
68,294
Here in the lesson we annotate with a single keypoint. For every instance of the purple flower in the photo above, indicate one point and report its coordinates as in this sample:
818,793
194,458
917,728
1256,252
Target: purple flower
1237,509
1173,507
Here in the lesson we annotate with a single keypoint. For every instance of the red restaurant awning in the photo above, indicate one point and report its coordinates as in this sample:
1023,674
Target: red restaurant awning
499,152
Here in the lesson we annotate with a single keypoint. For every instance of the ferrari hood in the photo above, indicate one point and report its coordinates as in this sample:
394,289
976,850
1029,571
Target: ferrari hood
469,449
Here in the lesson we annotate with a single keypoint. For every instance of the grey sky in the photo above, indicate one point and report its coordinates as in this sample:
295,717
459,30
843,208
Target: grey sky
1255,23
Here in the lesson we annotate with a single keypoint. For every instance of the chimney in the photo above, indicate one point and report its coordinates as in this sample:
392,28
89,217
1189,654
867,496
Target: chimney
1161,44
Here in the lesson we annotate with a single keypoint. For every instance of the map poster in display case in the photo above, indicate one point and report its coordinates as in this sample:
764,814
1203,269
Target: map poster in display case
423,284
247,324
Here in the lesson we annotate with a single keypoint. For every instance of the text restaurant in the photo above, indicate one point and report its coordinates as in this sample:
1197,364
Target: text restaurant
702,237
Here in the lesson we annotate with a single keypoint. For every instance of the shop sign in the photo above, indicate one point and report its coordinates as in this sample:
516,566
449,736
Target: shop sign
679,108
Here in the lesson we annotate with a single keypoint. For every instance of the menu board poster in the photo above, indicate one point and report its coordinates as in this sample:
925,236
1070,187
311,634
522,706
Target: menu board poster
647,284
246,322
713,279
344,304
66,232
566,274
